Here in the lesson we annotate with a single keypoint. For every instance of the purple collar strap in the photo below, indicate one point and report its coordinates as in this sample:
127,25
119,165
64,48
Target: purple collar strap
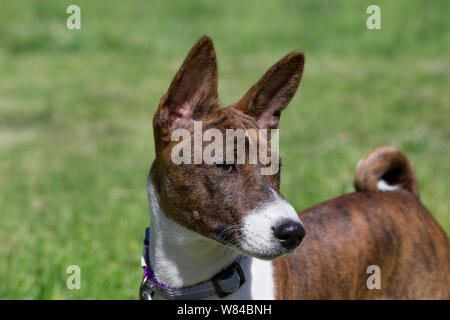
224,283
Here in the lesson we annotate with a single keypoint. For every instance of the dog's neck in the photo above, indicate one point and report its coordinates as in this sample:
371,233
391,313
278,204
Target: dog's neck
180,257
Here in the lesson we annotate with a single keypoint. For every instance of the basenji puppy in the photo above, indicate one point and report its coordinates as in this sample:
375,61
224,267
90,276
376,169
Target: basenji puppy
224,230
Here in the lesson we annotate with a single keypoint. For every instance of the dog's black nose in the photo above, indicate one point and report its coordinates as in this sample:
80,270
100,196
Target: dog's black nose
290,233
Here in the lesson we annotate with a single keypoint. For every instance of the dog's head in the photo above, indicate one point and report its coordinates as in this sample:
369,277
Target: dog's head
222,198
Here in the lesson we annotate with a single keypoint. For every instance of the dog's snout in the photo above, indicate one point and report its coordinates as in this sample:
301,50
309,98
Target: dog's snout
289,233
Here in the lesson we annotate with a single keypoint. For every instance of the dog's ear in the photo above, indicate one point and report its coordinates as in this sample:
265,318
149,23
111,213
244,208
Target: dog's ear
193,91
270,95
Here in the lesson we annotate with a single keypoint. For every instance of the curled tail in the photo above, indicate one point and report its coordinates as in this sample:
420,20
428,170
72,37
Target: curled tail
385,169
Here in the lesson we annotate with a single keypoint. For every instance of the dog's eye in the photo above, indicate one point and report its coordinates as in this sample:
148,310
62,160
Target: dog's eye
226,167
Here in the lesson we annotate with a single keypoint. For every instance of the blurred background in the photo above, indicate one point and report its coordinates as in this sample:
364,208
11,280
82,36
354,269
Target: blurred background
76,108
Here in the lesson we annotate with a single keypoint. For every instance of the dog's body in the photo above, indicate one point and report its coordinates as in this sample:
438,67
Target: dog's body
346,235
382,224
205,217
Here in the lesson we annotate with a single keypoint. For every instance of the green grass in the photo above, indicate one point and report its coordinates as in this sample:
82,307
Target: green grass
76,108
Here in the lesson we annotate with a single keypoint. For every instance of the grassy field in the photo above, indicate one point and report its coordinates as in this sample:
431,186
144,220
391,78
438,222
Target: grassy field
76,108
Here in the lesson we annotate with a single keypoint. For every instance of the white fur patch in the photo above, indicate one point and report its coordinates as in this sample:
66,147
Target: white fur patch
383,186
257,232
262,280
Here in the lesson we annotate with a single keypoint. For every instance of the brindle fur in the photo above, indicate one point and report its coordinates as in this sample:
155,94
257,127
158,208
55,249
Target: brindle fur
392,230
345,235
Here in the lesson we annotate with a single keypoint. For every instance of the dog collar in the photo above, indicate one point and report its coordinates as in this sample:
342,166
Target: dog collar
224,283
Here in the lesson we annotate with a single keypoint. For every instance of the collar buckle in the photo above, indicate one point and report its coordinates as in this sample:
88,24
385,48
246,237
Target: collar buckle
231,271
146,290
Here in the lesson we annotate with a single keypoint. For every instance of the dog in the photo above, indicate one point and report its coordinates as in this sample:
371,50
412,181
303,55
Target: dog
224,231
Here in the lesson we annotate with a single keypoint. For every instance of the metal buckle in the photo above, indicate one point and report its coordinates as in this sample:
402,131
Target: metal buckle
235,267
146,290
